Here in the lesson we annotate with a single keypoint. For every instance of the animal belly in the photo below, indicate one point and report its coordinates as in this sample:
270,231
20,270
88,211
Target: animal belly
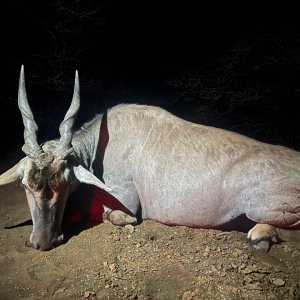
201,214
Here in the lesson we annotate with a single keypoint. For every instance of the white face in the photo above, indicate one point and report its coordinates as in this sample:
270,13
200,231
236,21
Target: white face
47,182
47,189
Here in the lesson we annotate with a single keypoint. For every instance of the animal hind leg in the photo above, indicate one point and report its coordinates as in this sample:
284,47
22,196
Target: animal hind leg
262,236
269,229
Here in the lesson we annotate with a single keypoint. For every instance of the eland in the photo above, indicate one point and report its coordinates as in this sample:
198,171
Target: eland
168,169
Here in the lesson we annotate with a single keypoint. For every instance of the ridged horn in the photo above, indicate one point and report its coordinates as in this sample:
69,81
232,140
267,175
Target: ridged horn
66,127
31,146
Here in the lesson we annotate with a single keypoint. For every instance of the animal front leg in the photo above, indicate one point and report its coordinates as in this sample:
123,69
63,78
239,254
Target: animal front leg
122,205
262,236
119,218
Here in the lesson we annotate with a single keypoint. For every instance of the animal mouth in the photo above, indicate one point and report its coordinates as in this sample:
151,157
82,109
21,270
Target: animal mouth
55,243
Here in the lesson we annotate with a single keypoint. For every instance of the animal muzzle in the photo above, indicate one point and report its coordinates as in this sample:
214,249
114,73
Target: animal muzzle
45,243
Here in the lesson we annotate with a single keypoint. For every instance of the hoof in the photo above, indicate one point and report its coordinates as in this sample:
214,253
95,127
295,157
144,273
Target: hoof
262,237
262,244
119,218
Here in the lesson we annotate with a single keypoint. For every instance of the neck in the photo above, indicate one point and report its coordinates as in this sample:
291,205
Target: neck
85,142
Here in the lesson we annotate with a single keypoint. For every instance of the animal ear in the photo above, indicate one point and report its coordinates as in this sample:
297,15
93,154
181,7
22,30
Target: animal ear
85,176
13,174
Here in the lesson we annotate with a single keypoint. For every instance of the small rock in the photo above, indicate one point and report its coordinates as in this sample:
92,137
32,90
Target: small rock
105,263
247,270
152,237
59,291
87,294
278,282
222,274
112,267
253,286
254,268
130,228
206,251
237,252
138,245
248,279
187,295
234,266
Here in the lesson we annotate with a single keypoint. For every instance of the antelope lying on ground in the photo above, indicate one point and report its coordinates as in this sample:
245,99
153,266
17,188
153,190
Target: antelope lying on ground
174,171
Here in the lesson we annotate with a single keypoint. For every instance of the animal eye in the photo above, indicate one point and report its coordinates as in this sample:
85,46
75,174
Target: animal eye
57,180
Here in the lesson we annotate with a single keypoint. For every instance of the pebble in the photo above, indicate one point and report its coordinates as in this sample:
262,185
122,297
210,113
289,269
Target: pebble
253,286
247,270
248,279
152,238
130,228
234,266
237,252
206,251
188,295
112,267
278,282
88,294
59,291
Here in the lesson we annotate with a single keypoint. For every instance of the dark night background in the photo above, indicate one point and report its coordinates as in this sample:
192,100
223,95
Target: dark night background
236,69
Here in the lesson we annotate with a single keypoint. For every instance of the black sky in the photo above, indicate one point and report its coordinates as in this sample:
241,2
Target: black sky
127,51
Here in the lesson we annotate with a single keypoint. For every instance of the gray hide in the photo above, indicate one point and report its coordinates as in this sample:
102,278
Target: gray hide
188,174
183,173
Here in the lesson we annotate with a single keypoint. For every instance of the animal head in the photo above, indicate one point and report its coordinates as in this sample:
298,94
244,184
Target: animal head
48,172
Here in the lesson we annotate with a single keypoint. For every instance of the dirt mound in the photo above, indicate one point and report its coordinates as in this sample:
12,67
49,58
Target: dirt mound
149,261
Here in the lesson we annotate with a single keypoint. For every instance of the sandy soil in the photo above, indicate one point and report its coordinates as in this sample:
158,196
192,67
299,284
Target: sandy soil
149,261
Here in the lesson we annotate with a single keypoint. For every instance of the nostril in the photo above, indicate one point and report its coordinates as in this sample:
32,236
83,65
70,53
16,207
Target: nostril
45,244
29,244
